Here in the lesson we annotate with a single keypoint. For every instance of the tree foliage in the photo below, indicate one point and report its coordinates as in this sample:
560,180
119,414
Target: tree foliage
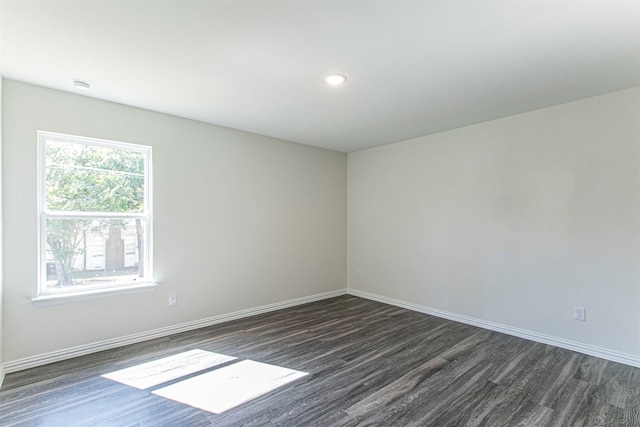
93,179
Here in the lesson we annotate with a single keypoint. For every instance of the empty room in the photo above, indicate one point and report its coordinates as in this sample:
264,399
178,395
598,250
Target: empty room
320,213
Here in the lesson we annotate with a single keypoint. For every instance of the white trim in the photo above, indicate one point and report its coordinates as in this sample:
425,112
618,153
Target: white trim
2,372
603,353
77,214
1,240
45,298
63,298
107,143
55,356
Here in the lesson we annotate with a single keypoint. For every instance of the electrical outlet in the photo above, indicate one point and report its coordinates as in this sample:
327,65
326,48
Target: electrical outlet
173,300
358,274
579,313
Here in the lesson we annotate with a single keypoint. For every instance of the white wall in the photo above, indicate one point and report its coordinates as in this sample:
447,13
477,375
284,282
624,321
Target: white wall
241,221
512,221
1,269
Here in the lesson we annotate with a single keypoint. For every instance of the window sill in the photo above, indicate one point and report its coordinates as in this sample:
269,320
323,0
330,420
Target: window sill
46,300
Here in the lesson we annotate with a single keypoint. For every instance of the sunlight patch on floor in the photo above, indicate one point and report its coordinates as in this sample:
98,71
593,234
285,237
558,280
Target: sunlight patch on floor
228,387
216,390
169,368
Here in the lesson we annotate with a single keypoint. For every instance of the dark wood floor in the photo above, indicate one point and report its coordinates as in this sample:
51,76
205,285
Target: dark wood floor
369,364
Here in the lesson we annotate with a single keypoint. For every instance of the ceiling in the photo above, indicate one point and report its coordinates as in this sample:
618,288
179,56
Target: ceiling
414,67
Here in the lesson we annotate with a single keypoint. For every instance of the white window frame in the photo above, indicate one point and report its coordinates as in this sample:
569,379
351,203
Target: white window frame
43,297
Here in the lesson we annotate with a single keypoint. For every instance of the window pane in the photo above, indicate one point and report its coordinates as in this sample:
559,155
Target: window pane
88,178
93,253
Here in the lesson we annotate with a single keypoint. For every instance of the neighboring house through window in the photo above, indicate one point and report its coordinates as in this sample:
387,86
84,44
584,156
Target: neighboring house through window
94,206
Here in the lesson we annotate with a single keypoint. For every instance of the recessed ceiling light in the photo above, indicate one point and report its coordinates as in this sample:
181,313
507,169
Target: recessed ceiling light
81,84
335,79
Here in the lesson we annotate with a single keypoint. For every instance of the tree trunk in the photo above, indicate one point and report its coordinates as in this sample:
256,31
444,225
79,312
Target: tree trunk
63,274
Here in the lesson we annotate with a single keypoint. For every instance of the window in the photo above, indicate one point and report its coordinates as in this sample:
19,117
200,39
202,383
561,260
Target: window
94,205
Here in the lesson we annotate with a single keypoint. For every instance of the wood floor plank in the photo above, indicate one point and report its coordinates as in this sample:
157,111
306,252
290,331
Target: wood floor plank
504,407
368,364
558,380
616,384
591,369
631,412
594,411
394,391
528,415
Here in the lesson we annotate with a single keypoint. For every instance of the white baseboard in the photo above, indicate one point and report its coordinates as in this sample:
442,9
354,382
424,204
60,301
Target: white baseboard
55,356
591,350
1,374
